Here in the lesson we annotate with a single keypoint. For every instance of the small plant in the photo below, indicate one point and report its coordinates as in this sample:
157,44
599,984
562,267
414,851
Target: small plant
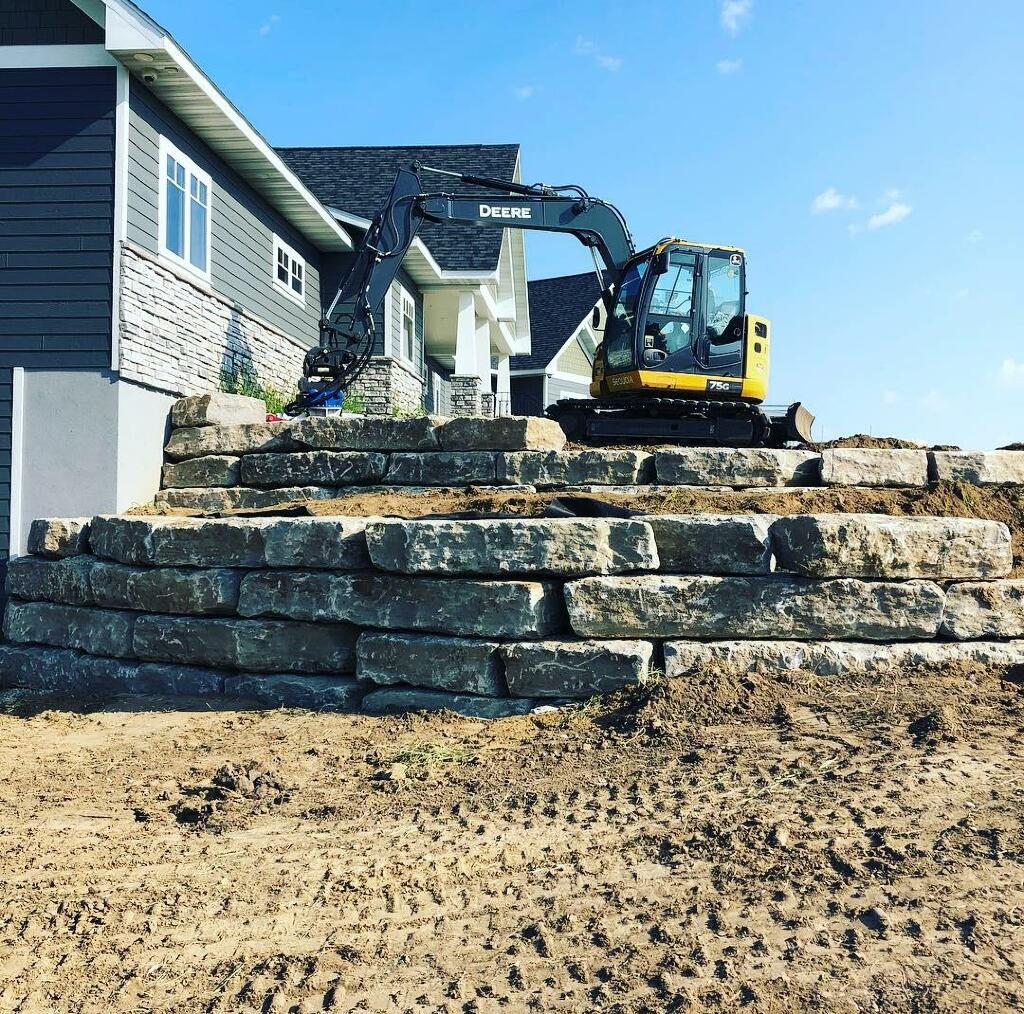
355,403
397,412
246,382
424,755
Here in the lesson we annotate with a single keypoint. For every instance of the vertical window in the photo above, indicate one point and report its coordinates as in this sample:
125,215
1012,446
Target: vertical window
184,211
400,324
289,271
408,326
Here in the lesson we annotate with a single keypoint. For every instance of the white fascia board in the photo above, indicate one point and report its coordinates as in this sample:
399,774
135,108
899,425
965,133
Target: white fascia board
29,57
527,373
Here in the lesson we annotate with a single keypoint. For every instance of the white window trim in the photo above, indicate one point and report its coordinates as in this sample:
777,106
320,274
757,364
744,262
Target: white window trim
167,148
285,287
403,295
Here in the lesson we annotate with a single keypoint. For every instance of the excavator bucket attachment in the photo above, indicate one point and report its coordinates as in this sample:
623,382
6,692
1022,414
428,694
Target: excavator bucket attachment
794,424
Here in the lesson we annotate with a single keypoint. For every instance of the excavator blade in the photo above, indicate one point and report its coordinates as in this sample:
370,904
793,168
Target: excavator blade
793,424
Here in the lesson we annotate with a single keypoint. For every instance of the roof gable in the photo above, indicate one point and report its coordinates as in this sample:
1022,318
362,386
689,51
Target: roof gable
557,308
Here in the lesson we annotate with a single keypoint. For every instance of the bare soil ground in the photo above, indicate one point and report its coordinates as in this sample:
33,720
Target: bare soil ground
719,843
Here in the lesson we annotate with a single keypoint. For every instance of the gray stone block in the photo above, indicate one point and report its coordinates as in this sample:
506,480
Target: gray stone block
460,606
252,438
338,543
982,609
863,466
574,468
365,434
713,543
423,660
737,466
506,433
96,631
574,668
512,546
37,579
878,545
211,470
397,700
59,537
217,409
981,468
774,607
212,501
318,693
444,468
202,592
258,646
180,542
324,468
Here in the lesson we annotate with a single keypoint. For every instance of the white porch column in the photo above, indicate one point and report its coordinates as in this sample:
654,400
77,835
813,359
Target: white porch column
465,337
483,353
503,396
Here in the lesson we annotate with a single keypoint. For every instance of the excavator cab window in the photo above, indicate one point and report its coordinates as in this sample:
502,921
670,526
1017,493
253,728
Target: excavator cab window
620,330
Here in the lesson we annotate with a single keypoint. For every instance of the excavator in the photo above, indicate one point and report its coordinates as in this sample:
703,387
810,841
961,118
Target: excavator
681,360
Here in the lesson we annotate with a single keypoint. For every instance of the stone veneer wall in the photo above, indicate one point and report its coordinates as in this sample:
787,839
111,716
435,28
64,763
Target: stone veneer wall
466,396
389,387
179,337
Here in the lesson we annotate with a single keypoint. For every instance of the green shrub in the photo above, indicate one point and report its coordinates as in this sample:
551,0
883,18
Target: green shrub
245,381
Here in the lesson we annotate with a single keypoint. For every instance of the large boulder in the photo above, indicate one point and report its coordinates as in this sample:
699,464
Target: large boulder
732,466
518,609
318,693
251,438
713,543
512,546
57,537
867,466
984,609
504,433
364,433
180,542
753,607
211,470
37,579
981,468
833,658
573,468
217,409
878,545
96,631
444,468
337,543
326,468
458,664
259,646
574,668
397,700
212,501
202,592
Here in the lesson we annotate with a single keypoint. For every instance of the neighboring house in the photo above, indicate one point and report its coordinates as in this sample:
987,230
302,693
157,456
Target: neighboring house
152,241
564,341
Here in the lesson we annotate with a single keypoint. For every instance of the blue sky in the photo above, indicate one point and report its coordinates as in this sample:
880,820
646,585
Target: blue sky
869,156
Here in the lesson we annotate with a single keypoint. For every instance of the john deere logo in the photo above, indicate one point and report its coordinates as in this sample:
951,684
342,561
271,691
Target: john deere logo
501,211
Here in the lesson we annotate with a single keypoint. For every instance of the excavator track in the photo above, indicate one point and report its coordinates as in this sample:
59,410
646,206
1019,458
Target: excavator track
682,420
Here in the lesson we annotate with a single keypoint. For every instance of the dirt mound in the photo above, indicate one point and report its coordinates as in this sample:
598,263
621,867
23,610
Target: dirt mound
1012,447
862,440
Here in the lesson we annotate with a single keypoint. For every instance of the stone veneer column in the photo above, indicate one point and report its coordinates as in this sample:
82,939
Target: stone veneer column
388,387
466,397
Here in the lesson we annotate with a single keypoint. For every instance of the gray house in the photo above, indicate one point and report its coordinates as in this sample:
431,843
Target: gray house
152,241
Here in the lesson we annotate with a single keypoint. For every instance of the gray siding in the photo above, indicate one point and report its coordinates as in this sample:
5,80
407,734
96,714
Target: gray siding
56,216
437,388
242,224
46,23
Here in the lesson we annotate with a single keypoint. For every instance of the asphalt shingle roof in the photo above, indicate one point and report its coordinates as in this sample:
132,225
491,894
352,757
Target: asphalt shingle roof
557,307
358,179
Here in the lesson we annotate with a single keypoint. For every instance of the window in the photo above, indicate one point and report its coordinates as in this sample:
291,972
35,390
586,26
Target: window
408,326
618,336
184,211
289,271
400,323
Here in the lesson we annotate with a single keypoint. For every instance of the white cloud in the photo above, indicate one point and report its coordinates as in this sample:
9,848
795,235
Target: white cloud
728,66
896,212
975,236
735,14
1011,375
587,47
832,200
932,401
962,293
524,91
891,397
268,26
611,63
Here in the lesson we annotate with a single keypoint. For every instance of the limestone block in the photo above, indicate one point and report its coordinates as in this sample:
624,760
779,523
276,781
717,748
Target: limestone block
208,592
834,658
396,700
732,466
506,433
512,546
240,498
364,433
217,409
460,606
319,693
251,438
984,609
574,468
774,607
180,542
982,468
863,466
574,668
57,537
442,663
338,543
256,645
879,545
37,579
327,468
96,631
713,543
211,470
444,468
